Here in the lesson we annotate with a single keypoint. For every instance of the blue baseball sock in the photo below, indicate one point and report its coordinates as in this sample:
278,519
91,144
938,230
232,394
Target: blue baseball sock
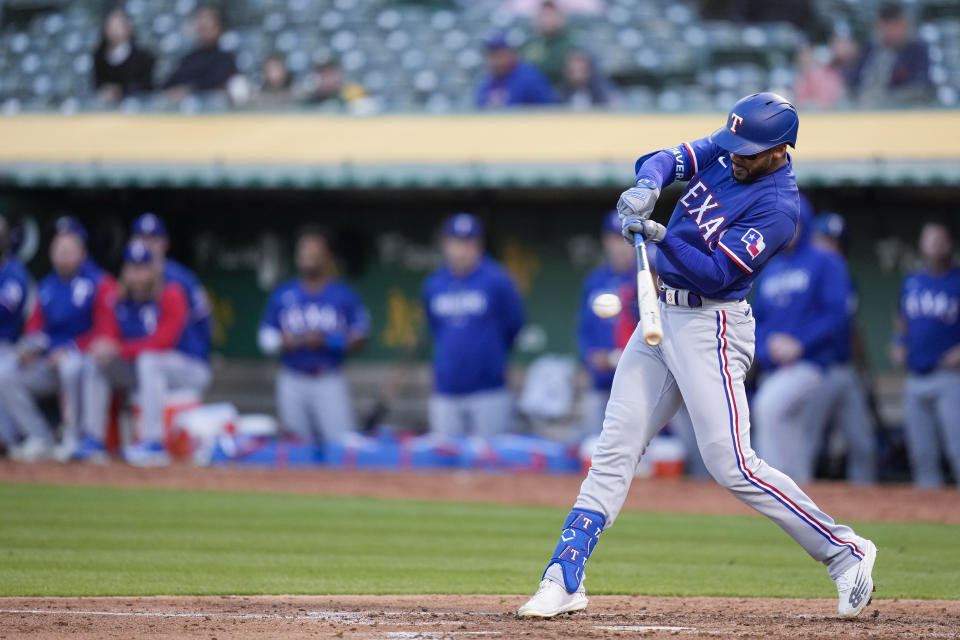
581,530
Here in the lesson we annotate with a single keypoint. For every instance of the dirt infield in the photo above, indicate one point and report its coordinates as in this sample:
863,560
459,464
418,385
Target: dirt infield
463,617
887,502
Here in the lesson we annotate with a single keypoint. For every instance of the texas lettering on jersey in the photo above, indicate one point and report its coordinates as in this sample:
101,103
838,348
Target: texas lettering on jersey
698,201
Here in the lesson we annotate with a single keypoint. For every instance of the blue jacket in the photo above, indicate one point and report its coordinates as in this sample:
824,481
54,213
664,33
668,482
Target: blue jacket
930,306
525,85
473,320
335,311
199,332
804,293
594,332
14,287
65,309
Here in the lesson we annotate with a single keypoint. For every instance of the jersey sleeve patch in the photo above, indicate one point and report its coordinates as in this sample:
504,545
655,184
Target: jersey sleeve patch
753,240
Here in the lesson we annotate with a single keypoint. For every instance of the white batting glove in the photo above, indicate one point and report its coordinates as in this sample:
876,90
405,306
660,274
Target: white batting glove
650,230
638,201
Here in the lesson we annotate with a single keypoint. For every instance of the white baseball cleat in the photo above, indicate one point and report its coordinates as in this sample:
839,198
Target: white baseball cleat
855,585
33,449
552,599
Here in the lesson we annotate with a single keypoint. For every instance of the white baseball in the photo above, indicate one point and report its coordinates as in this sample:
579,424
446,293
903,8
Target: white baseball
607,305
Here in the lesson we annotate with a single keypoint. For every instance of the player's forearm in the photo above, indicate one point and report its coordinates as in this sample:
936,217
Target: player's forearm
696,266
660,167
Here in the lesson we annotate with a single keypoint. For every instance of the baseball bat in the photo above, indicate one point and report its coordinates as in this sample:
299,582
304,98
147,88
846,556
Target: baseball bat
647,299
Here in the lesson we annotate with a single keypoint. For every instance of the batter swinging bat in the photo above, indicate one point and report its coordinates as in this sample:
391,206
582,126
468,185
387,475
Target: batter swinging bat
646,297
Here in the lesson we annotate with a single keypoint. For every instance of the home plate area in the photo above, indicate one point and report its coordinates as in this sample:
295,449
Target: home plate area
437,617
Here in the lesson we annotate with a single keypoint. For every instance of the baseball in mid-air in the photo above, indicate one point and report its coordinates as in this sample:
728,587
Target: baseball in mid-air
607,305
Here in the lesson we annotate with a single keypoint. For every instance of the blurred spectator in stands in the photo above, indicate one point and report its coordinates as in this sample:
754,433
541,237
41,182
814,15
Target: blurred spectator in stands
207,68
144,348
473,313
312,322
842,397
551,42
595,335
14,295
275,89
927,343
530,7
325,87
802,14
511,82
584,87
894,70
120,67
71,307
820,83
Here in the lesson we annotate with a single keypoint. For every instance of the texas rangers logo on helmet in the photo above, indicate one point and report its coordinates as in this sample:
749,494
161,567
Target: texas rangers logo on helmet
735,121
754,241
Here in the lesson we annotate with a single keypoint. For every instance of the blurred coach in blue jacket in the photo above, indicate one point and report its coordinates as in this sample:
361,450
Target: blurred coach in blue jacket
801,304
474,313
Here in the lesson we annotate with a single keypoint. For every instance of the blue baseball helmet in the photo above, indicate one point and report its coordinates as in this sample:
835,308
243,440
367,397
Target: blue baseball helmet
137,252
830,224
463,225
66,224
148,224
611,222
756,123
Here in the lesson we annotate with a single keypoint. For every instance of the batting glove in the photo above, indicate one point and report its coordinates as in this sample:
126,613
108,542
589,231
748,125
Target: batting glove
650,230
638,201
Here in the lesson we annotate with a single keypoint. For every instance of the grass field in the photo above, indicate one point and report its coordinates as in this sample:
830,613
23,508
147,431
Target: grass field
59,541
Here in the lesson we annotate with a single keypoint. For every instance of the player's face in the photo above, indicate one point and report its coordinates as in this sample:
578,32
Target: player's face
313,257
116,27
461,254
139,280
620,255
753,167
501,61
936,245
67,254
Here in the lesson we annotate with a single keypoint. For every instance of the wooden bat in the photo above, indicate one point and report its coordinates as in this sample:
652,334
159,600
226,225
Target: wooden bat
647,299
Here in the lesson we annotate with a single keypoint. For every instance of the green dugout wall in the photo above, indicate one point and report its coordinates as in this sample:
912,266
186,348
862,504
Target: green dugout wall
240,243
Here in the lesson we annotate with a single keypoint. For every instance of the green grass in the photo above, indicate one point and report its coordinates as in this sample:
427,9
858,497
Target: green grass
59,541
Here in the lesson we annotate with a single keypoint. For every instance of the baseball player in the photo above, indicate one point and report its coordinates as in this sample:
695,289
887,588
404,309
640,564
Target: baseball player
150,229
312,322
15,292
595,335
473,313
927,343
70,308
145,346
738,210
801,305
842,394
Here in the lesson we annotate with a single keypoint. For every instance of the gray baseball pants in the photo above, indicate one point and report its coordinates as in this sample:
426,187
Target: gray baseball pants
702,361
931,405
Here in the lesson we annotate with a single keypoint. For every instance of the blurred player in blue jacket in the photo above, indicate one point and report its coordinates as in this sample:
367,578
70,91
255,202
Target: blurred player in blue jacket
150,229
842,397
14,295
145,346
511,82
927,343
312,322
474,313
595,335
70,308
800,305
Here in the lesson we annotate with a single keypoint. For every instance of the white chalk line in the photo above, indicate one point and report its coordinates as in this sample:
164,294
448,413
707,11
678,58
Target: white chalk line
363,618
641,627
